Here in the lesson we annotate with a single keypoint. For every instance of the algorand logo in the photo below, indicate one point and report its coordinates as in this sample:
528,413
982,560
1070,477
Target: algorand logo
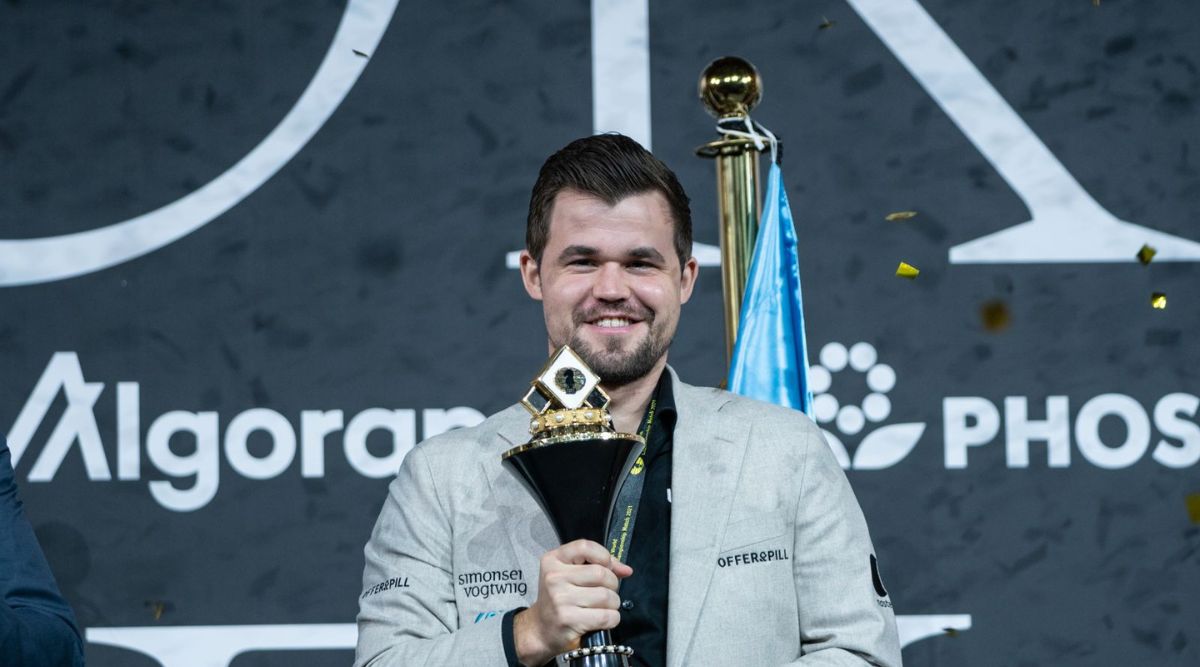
883,447
194,477
1167,432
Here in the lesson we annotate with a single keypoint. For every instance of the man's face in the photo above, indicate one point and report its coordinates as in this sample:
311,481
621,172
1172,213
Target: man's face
610,282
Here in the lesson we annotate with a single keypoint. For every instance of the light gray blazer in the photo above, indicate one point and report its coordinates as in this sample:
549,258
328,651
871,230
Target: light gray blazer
770,556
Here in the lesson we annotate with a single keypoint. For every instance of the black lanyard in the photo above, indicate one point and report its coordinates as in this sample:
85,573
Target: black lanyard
620,529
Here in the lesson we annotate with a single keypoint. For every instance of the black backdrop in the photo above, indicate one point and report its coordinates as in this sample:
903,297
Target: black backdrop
368,277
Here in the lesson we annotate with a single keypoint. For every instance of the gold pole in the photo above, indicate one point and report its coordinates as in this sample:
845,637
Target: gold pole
729,88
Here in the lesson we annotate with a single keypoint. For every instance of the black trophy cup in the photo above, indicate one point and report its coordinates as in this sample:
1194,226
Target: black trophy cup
574,466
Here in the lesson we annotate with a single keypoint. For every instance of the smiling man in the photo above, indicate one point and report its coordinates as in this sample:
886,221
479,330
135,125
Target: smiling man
612,293
747,545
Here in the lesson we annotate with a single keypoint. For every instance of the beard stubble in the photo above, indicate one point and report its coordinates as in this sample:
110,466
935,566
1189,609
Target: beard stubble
615,367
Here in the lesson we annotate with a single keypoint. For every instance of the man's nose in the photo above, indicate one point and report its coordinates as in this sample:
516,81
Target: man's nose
611,283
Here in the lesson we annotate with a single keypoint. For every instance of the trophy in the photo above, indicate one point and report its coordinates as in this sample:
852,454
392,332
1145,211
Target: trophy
574,466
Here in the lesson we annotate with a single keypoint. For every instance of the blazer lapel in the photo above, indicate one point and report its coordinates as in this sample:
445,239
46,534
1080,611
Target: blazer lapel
706,463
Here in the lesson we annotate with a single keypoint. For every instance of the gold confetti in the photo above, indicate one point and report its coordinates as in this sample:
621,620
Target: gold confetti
950,632
900,215
158,608
1193,507
1095,3
1146,254
906,270
1158,300
826,24
995,315
360,54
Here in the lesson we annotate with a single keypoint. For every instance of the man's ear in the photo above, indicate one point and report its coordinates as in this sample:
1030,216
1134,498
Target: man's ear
687,279
531,275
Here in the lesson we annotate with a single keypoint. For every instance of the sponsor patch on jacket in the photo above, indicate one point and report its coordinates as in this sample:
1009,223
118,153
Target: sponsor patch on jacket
752,557
386,585
486,583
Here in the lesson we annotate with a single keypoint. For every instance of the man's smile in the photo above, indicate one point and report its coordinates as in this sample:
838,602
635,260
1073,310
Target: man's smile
611,323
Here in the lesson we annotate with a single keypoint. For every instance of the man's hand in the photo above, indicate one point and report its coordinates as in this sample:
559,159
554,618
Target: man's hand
577,594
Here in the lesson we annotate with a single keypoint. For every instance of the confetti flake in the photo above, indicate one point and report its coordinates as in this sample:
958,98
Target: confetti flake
900,215
950,632
158,608
995,315
1095,3
1158,300
906,270
826,24
1193,507
1146,254
360,54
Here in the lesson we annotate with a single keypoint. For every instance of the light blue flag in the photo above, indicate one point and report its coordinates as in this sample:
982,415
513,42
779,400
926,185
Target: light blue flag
770,358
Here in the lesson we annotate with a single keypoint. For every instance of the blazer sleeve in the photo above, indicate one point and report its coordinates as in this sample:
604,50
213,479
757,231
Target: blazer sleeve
407,611
843,619
36,625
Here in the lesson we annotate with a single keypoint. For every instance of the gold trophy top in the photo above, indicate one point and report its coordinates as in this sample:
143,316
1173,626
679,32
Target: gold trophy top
567,404
565,397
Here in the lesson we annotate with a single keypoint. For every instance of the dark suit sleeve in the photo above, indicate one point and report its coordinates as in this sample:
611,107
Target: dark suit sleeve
36,625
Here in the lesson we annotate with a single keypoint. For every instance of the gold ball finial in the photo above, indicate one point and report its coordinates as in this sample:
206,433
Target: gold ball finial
730,86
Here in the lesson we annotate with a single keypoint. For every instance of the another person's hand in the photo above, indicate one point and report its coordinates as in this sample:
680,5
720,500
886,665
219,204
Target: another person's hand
577,594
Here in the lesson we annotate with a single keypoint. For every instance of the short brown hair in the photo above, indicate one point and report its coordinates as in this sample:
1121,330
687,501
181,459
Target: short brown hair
610,167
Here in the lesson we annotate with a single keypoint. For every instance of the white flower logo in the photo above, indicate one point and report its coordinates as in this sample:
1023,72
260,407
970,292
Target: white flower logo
882,448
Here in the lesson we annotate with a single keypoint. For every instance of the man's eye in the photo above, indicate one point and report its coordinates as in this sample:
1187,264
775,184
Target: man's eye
580,262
